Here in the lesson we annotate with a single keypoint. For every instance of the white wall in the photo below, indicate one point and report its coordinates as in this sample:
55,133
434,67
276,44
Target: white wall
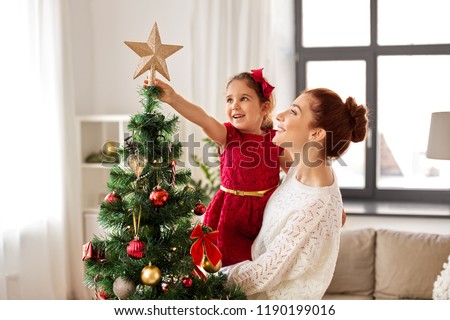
103,66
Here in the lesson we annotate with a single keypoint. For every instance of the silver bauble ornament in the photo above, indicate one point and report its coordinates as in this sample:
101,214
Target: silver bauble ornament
123,288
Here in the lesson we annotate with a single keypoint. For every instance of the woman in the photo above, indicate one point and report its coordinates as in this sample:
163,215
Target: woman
294,255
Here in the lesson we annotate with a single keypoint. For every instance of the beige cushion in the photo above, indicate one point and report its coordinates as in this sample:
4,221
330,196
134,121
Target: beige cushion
354,273
346,297
407,264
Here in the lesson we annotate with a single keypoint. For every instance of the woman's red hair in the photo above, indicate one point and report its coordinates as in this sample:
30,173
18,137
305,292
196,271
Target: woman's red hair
344,122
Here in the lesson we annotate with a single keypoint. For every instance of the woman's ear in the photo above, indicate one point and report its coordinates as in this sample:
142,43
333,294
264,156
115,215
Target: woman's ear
318,134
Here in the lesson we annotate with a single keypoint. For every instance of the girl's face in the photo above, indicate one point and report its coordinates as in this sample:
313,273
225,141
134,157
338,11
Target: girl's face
244,110
294,128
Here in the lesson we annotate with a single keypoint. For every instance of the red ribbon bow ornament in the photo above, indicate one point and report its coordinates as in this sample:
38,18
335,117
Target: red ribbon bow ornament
267,88
205,245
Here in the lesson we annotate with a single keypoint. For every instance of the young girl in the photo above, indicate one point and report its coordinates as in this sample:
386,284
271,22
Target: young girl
249,161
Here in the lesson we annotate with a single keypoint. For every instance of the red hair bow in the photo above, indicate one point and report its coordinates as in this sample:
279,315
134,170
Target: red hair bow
205,245
267,88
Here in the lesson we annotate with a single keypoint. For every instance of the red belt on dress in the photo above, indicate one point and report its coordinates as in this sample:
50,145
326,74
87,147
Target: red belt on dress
247,193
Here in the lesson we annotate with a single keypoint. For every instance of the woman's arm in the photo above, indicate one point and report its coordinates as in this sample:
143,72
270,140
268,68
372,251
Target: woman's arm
215,130
296,249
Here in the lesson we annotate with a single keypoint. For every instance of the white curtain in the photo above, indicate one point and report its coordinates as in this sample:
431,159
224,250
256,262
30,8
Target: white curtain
232,36
37,259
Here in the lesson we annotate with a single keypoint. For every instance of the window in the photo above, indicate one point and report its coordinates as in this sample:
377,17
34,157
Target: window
377,52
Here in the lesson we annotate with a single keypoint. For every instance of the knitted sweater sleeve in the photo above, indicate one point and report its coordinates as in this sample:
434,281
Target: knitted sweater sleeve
293,252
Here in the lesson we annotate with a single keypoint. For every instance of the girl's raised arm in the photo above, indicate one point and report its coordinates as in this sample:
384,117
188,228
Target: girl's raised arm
215,130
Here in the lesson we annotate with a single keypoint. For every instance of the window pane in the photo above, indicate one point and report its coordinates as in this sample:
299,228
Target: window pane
347,78
404,22
336,23
410,88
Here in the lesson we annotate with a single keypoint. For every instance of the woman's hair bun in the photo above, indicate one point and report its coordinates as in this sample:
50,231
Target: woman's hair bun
359,118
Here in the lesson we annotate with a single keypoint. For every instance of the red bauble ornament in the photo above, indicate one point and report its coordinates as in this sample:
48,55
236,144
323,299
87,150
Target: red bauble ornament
187,282
102,295
199,209
89,252
136,248
112,197
165,287
158,197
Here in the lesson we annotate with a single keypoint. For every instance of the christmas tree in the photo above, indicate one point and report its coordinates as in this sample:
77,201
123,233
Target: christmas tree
152,247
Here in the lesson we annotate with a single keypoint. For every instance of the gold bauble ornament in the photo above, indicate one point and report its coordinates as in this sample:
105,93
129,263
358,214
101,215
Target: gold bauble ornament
150,275
209,267
137,163
189,189
110,148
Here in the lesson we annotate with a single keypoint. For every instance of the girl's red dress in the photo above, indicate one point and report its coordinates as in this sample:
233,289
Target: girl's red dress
249,162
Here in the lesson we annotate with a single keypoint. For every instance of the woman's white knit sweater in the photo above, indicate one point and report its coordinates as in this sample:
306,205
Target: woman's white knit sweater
295,253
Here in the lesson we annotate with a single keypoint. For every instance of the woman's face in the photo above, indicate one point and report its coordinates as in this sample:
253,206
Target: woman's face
294,129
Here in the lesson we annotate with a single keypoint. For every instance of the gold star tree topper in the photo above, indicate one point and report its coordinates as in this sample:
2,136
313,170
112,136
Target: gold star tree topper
153,55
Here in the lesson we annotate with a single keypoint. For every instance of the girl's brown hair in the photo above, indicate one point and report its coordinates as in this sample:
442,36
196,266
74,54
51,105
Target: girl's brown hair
267,121
344,122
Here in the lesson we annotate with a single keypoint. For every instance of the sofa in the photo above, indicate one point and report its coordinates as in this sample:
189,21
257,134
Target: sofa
388,264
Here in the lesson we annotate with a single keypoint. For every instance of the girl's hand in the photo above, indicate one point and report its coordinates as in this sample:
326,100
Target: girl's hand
167,95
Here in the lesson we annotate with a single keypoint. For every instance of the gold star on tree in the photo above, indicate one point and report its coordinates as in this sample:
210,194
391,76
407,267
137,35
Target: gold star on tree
153,54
